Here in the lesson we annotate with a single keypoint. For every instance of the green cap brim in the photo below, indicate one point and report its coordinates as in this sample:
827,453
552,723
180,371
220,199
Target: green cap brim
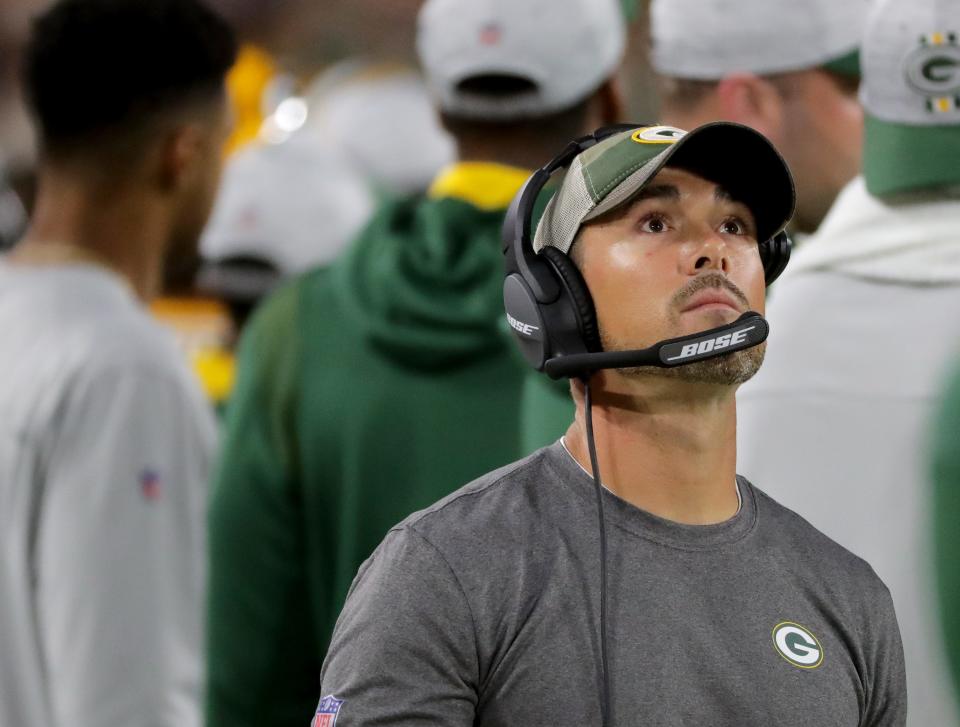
900,158
846,65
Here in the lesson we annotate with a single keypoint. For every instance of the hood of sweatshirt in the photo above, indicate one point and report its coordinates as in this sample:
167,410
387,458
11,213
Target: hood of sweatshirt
424,280
908,242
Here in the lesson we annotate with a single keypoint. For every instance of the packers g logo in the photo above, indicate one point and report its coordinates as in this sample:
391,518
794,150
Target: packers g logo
933,69
797,645
657,135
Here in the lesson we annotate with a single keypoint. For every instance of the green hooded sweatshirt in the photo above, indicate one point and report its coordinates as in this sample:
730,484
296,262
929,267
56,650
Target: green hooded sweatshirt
366,391
546,410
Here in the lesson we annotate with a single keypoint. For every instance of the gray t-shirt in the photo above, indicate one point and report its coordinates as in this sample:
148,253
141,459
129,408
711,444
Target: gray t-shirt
484,610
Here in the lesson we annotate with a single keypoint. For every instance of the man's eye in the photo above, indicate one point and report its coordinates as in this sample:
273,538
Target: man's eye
653,224
733,226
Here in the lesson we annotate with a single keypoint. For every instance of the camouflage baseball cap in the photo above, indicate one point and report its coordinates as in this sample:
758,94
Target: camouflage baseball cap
612,172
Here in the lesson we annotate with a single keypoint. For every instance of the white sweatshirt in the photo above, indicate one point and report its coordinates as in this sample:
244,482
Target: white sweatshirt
105,447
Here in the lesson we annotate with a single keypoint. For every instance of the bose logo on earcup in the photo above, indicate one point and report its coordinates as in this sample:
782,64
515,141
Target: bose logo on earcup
525,328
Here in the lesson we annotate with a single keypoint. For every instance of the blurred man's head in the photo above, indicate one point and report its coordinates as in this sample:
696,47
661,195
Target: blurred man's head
664,227
911,99
130,95
788,69
537,72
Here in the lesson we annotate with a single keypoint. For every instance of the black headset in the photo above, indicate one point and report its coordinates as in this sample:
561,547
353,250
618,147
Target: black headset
548,303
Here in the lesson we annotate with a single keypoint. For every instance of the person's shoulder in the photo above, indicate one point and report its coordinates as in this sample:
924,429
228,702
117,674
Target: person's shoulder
812,556
129,341
277,323
493,504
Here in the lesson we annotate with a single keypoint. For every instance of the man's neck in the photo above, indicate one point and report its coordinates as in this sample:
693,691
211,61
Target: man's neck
665,446
122,231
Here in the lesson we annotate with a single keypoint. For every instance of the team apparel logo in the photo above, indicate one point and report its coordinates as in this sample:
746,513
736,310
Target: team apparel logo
712,344
797,645
933,69
520,327
150,486
657,135
327,712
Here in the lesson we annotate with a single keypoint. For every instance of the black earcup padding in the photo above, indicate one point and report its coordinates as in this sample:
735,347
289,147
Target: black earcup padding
579,295
775,254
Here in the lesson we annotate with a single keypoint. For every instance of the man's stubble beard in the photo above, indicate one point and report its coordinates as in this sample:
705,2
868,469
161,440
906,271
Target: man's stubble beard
729,369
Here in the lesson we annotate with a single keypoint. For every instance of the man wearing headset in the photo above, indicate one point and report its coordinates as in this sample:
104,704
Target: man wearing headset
698,599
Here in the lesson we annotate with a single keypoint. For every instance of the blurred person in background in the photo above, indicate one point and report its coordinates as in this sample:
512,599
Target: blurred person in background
311,176
864,326
333,117
105,441
787,68
371,388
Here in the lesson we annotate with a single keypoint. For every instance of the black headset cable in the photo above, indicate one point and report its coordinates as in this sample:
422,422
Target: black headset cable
598,487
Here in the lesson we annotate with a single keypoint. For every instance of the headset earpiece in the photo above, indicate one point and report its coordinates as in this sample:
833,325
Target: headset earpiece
576,289
775,254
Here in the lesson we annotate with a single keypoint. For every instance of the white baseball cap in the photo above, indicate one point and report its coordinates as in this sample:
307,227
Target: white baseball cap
564,48
293,205
708,39
911,96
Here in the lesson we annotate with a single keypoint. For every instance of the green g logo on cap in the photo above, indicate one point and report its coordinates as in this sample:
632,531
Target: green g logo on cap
657,135
933,69
797,645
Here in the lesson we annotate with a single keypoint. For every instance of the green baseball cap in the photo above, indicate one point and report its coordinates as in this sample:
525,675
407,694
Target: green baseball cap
911,97
612,172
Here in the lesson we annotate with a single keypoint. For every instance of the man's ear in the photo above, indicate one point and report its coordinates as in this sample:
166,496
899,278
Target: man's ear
753,101
180,151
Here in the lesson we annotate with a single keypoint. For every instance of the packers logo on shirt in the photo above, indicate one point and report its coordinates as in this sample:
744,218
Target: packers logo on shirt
797,645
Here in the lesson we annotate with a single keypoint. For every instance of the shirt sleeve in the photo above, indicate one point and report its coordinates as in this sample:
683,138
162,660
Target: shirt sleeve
263,662
887,689
404,649
119,552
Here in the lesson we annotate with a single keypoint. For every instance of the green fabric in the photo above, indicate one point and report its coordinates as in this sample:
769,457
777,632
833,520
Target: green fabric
846,65
366,392
899,158
946,516
546,411
611,161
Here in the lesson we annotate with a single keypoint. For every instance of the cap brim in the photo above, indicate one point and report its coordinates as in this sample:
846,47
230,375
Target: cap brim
739,159
846,65
901,158
240,281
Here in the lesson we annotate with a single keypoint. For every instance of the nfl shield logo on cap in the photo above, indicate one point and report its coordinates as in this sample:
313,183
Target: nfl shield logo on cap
327,712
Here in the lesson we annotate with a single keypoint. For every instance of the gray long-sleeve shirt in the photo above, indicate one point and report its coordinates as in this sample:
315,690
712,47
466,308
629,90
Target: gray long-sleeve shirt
484,610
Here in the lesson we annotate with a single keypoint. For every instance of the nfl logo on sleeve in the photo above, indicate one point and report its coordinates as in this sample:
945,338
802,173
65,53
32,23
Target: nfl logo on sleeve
327,712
